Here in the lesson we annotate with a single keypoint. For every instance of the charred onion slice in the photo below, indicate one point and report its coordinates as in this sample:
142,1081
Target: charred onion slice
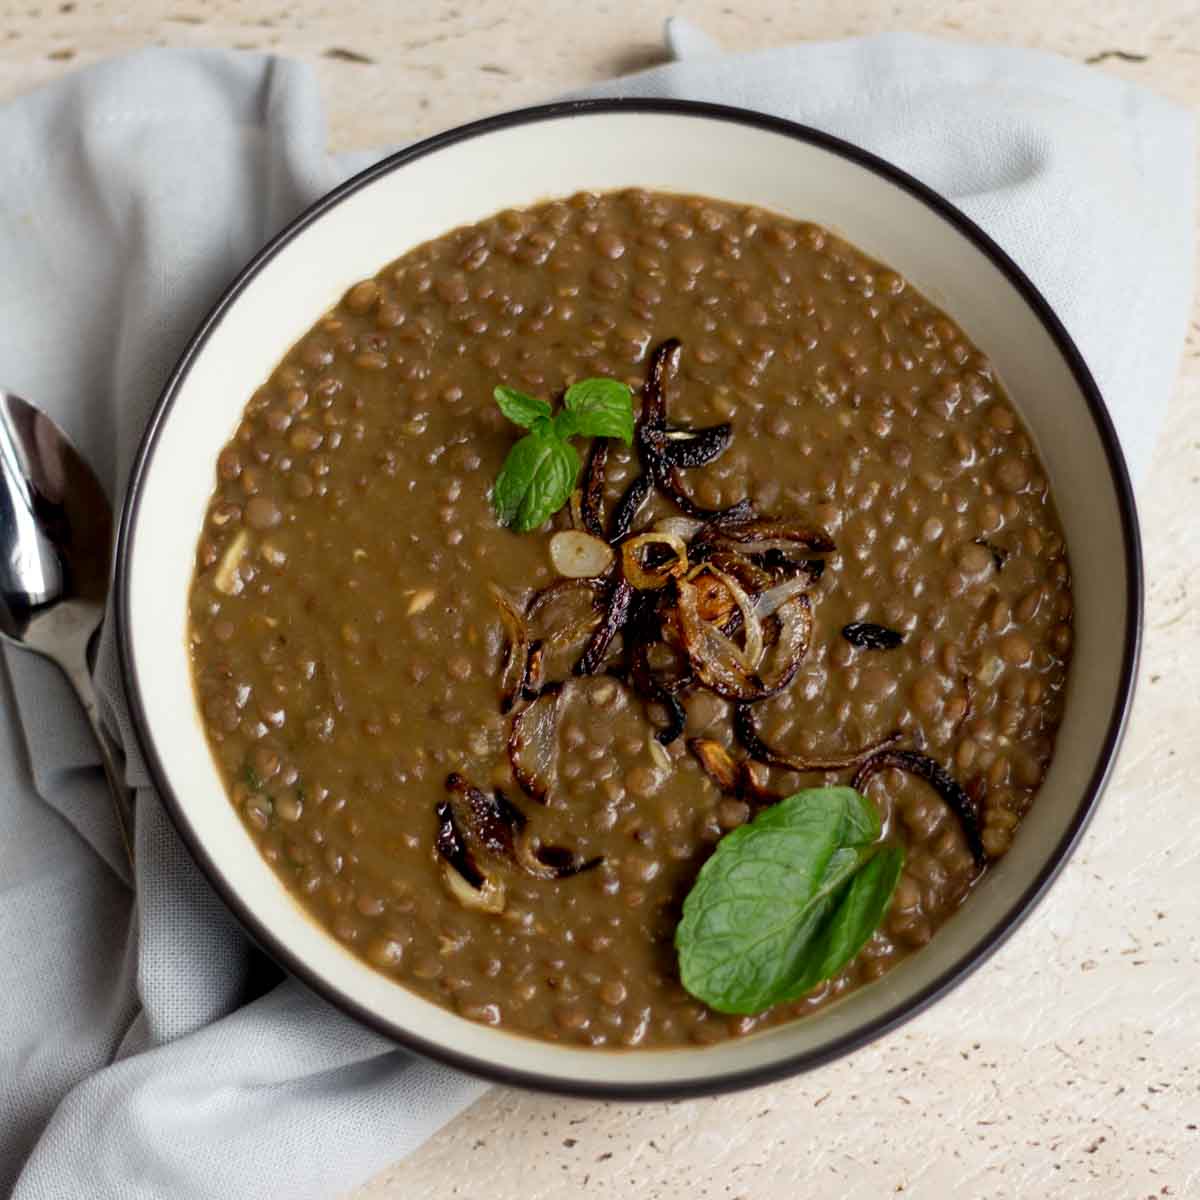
866,635
676,715
719,765
560,588
650,578
666,479
768,603
696,447
684,527
720,664
592,503
565,632
746,732
616,613
642,636
451,846
754,783
517,631
575,636
542,862
751,624
531,683
491,821
652,439
780,566
664,364
551,862
938,778
650,687
462,876
782,660
766,534
628,507
533,744
747,572
499,827
722,602
747,779
490,897
717,659
714,602
656,692
662,451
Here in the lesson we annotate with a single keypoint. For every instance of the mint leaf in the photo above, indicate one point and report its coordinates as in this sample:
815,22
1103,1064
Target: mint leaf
786,901
519,408
516,476
536,480
566,425
853,920
597,408
551,487
540,471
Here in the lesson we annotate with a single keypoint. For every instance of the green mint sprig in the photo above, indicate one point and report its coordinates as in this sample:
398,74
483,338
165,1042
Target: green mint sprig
786,901
541,470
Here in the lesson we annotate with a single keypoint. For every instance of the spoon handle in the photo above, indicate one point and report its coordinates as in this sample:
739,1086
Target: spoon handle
111,755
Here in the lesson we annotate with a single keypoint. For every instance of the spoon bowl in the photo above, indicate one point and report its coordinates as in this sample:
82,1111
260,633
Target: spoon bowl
55,554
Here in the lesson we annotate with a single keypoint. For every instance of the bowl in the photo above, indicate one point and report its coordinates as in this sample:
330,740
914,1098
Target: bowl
515,160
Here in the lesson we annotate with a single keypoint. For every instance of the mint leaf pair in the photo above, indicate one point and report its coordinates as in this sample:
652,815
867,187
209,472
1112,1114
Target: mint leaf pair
786,901
540,471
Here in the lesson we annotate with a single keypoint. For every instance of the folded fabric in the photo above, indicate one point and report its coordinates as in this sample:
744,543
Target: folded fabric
147,1052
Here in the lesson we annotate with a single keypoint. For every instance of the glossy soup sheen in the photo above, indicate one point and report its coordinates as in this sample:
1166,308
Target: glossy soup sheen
346,649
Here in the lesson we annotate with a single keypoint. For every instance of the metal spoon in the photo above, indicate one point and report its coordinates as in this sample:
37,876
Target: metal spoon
55,546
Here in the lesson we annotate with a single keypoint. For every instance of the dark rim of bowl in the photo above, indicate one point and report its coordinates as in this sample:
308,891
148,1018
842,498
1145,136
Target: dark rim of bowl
898,1014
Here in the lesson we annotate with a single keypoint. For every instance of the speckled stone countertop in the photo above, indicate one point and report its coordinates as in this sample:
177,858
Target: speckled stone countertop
1069,1066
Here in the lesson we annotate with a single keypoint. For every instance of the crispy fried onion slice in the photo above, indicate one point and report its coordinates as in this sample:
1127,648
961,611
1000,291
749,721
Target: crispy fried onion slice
670,548
617,606
476,831
764,534
516,631
533,745
743,778
746,732
592,498
564,615
938,778
655,680
663,451
465,880
770,601
724,666
696,447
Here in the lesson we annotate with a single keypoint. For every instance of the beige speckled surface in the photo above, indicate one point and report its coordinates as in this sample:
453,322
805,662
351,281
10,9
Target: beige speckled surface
1069,1065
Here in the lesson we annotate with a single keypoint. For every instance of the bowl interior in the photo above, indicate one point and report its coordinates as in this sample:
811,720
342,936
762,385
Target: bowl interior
518,161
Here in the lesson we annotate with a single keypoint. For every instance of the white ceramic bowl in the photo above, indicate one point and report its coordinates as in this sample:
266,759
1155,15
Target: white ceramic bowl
520,159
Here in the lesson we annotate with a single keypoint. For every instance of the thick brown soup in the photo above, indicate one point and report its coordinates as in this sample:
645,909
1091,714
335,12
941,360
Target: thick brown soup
349,649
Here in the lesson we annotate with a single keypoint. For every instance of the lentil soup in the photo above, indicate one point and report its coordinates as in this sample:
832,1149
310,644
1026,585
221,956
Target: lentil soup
357,609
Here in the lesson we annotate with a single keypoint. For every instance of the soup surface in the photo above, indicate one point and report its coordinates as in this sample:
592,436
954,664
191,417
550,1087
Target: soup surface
348,647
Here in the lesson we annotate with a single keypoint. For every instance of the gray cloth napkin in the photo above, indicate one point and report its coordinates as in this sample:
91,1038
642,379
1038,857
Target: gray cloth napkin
139,1055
